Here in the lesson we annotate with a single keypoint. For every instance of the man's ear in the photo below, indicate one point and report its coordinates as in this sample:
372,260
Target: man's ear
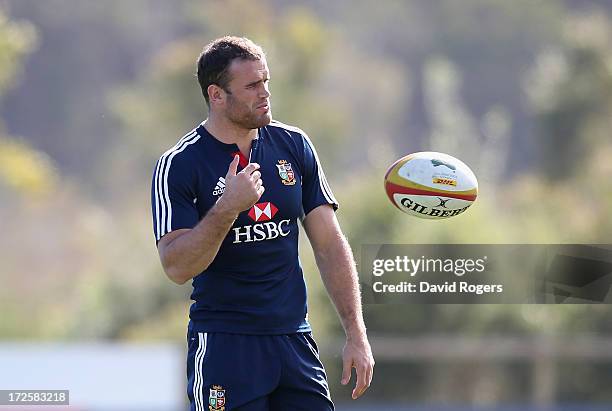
216,94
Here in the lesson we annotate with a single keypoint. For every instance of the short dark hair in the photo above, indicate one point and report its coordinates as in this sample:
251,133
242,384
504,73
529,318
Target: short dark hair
214,62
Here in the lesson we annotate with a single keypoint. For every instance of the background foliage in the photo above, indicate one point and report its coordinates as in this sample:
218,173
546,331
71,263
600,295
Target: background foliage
521,90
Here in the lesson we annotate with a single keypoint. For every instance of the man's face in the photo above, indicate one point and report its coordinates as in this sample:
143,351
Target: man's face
248,100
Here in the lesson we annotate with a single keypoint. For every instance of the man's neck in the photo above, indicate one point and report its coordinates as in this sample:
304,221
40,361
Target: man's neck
228,132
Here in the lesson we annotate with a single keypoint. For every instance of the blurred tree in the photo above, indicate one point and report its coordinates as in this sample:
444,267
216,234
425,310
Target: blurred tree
27,176
24,169
17,39
570,90
21,167
111,86
85,48
64,273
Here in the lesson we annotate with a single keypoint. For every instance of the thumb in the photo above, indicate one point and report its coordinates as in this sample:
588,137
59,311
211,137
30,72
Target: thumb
346,371
233,167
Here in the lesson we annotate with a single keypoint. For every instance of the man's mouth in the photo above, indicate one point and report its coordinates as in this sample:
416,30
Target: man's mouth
264,106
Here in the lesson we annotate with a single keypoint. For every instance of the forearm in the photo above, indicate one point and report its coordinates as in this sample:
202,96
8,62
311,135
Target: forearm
192,252
339,274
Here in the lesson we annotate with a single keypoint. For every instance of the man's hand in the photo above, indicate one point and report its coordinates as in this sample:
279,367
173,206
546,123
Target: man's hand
242,189
358,355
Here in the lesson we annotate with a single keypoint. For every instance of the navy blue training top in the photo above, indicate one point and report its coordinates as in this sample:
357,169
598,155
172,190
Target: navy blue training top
255,284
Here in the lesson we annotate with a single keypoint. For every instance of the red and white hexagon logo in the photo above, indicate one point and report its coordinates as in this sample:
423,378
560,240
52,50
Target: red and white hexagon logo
263,211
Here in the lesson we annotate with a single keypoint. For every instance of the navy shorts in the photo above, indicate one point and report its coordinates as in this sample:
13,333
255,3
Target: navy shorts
227,372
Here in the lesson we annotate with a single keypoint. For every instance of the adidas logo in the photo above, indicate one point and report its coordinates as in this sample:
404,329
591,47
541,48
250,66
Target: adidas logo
220,187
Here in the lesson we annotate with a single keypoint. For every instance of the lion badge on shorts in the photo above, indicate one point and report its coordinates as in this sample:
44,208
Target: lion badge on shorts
286,172
216,400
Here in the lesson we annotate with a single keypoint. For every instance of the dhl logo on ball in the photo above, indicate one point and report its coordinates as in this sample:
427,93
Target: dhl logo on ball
445,181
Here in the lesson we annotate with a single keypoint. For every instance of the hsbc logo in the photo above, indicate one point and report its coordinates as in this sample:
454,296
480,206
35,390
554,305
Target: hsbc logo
263,212
265,229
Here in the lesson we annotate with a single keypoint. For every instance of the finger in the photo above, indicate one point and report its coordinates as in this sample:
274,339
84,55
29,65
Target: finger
368,379
256,175
261,190
369,375
231,171
360,385
346,370
250,168
258,184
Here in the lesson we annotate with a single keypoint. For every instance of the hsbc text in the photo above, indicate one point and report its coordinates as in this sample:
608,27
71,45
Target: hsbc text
260,232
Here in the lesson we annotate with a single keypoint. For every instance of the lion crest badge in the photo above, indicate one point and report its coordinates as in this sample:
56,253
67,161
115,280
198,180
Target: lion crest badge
216,400
285,171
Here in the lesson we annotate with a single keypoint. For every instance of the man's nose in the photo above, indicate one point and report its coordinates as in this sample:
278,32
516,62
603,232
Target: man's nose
265,92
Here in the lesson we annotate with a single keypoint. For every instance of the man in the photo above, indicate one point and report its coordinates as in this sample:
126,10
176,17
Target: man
226,201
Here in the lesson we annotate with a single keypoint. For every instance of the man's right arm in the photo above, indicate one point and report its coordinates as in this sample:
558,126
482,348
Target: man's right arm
185,253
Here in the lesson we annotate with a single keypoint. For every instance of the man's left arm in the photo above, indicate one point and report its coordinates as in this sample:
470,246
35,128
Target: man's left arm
337,266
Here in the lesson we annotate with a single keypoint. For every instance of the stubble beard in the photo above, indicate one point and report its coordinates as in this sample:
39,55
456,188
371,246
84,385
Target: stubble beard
241,115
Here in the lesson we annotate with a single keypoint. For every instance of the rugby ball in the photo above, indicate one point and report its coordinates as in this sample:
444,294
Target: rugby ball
431,185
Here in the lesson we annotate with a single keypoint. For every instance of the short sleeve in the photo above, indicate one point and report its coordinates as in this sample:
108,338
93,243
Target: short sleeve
315,189
172,196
